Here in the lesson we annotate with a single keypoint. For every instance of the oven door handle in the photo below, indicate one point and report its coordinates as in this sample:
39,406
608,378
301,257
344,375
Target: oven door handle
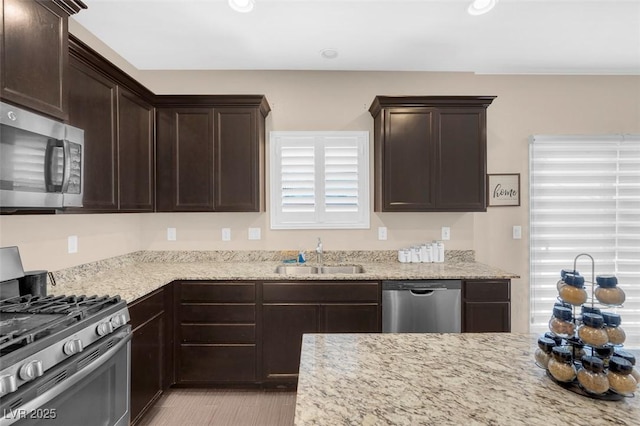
65,385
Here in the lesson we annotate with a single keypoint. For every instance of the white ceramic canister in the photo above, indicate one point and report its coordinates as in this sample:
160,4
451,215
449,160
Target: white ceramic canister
438,251
416,254
427,253
404,255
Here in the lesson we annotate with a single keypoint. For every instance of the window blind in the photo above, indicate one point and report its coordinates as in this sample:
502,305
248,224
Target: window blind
585,198
319,180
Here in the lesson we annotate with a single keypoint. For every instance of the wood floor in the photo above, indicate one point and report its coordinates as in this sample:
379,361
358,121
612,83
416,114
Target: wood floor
220,407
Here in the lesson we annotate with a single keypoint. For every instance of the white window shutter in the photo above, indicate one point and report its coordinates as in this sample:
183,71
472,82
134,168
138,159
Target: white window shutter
319,180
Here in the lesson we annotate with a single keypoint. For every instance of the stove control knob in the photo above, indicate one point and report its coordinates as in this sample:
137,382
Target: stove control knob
104,328
118,320
8,384
72,347
30,370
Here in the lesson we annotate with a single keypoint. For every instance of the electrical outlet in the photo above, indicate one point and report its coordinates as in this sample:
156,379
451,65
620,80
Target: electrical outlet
226,234
72,244
171,234
446,233
517,232
382,233
254,233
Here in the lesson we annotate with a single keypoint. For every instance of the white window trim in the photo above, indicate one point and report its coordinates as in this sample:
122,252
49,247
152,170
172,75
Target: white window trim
319,219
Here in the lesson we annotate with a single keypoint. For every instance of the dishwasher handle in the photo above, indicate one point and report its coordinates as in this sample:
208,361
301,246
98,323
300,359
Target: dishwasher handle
422,292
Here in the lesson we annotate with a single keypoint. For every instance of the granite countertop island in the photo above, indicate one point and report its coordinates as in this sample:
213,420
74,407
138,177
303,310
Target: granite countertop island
133,276
439,379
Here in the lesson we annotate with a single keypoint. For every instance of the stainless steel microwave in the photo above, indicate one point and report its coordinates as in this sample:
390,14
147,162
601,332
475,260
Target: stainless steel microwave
41,161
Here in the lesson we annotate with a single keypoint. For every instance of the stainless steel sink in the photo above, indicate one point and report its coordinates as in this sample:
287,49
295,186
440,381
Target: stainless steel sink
296,270
306,270
342,269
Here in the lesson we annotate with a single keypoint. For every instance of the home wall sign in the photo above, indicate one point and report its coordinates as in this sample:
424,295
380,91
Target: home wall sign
503,190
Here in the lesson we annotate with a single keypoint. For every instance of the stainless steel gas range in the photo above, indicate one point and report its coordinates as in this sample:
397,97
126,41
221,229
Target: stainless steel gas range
64,360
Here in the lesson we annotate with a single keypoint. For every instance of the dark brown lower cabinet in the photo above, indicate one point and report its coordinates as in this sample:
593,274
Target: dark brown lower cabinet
283,327
216,332
148,348
486,306
291,309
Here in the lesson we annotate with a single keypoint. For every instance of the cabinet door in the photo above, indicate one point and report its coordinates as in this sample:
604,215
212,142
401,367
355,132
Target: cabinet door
185,159
486,317
350,318
238,160
282,330
147,364
135,152
148,349
486,306
461,152
34,56
408,165
92,107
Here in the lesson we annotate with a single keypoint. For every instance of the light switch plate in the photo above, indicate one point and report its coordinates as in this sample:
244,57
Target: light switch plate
446,233
254,233
382,233
517,232
171,234
72,244
226,234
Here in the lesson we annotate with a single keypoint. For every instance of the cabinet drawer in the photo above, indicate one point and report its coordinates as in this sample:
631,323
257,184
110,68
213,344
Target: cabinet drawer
487,290
218,292
147,307
218,312
218,333
217,363
313,292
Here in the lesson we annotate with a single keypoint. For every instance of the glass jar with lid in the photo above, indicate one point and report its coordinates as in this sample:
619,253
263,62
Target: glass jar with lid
592,331
615,333
563,274
543,352
632,359
552,336
604,352
586,309
573,292
561,365
608,292
620,379
592,377
561,323
576,347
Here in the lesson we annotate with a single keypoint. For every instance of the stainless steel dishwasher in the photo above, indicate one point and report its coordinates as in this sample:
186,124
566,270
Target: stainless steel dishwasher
421,306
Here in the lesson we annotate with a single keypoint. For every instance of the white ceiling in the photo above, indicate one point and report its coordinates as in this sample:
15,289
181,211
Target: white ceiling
517,36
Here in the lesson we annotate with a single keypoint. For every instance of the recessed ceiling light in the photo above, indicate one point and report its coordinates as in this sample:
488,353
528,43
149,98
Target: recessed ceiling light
480,7
243,6
329,53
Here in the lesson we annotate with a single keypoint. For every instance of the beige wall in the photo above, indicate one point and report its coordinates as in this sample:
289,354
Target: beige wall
310,100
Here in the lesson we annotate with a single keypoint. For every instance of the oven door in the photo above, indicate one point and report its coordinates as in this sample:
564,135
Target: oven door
96,395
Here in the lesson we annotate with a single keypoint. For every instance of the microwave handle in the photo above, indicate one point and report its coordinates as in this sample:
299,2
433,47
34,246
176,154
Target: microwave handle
67,165
52,146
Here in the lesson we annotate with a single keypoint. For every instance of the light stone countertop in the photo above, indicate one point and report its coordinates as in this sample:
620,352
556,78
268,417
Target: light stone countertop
439,379
133,278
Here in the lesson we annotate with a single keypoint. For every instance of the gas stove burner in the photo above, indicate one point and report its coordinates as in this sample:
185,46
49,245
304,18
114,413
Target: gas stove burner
57,304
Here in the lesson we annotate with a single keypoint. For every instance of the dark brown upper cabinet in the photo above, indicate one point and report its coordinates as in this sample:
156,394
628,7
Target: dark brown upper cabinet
118,119
210,153
430,153
34,54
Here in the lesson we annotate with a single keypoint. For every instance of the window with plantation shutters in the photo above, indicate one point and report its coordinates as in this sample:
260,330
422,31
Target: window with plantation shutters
585,198
319,180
